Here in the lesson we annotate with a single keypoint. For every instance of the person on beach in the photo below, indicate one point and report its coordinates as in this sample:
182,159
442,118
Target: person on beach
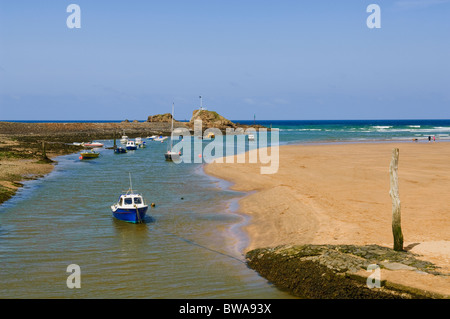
429,139
434,138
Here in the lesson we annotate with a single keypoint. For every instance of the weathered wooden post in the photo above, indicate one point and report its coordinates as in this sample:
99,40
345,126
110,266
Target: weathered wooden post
396,215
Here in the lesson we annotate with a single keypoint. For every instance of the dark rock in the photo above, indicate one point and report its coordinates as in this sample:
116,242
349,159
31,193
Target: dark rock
327,271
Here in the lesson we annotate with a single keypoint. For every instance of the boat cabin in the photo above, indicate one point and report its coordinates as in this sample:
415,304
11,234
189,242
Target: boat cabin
130,200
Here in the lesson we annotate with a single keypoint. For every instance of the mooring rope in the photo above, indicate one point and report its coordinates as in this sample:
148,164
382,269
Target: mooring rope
191,242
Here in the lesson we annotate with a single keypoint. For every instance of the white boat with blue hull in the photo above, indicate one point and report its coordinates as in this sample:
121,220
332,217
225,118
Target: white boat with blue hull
171,155
131,146
130,207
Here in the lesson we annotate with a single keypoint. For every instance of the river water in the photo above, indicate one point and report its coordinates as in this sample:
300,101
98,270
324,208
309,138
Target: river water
190,246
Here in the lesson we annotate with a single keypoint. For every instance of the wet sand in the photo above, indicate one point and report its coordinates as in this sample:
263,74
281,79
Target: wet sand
339,194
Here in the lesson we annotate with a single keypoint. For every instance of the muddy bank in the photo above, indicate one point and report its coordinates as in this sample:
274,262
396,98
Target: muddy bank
83,132
339,271
23,158
21,146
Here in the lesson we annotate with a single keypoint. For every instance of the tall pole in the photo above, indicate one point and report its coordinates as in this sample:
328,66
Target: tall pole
201,104
171,130
396,216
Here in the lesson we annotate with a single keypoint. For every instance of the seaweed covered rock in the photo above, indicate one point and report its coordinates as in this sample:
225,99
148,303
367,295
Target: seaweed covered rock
327,271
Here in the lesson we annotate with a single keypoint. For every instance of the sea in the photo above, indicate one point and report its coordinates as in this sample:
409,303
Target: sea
191,244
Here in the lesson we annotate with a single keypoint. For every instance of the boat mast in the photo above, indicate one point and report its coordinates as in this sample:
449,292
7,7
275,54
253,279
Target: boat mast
171,130
131,185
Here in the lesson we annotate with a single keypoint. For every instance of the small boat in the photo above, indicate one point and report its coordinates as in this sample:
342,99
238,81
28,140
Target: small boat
210,135
160,138
151,138
139,142
120,150
251,137
93,144
131,145
170,155
131,207
124,139
142,145
89,155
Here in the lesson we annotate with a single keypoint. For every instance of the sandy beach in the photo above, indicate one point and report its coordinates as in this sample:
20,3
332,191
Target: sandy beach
339,194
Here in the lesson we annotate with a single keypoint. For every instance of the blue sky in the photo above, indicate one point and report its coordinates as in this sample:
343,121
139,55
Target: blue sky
273,59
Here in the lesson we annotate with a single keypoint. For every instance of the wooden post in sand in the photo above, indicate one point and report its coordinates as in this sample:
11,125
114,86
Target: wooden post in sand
396,216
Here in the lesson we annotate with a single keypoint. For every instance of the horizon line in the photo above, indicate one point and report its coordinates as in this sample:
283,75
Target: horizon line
249,120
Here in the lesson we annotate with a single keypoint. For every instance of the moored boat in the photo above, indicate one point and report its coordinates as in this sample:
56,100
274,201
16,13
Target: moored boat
93,144
139,142
120,150
89,155
130,207
160,138
124,139
171,155
131,145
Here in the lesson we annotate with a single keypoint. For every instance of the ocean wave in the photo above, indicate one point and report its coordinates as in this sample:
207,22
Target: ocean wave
381,126
299,129
415,130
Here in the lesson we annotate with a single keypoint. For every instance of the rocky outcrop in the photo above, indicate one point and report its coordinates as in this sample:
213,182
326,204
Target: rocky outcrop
329,271
167,117
211,119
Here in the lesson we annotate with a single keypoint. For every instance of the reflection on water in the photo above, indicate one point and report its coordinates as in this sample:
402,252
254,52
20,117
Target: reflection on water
189,247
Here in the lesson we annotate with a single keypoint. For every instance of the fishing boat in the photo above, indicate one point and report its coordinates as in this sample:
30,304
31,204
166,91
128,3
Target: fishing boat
120,150
124,139
139,142
89,155
170,155
160,138
131,145
93,144
130,207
